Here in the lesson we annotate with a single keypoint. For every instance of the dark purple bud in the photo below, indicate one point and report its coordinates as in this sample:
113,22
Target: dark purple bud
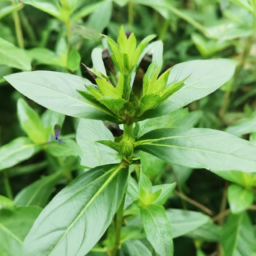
128,34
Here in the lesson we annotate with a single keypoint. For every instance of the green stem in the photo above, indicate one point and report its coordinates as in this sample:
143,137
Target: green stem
18,29
7,185
67,21
27,27
130,14
247,48
119,220
128,129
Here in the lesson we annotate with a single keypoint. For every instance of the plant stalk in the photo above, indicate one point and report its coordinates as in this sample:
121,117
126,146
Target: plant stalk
128,129
130,14
67,21
7,185
245,55
18,29
119,220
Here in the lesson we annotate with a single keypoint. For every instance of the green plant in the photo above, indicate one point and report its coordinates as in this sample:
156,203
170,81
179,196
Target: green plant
79,215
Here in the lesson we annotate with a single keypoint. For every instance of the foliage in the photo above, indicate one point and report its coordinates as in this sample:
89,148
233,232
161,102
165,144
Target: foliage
127,128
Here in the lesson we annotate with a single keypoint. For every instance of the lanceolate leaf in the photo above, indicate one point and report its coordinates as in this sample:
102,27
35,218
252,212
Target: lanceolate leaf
16,151
203,78
14,226
38,192
158,229
58,92
95,154
136,248
183,222
12,56
200,148
67,225
238,237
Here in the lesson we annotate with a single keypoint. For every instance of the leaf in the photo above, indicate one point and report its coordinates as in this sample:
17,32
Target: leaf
97,61
58,92
203,78
131,233
68,148
38,192
243,126
9,9
12,56
89,202
247,180
243,3
183,222
105,12
239,198
14,225
201,148
50,118
44,56
17,151
208,232
95,154
135,248
50,6
158,229
5,203
166,191
31,122
112,103
74,60
238,237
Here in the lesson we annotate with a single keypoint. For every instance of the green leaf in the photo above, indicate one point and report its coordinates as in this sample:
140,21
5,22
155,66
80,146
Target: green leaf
68,148
95,154
58,92
9,9
183,222
44,56
97,61
31,122
74,60
50,6
105,12
14,225
158,229
112,103
135,248
247,180
38,192
202,148
166,191
203,78
5,203
208,232
89,202
239,198
12,56
50,118
243,3
238,237
131,233
17,151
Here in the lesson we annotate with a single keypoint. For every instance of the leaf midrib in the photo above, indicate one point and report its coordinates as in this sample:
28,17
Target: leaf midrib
6,230
85,208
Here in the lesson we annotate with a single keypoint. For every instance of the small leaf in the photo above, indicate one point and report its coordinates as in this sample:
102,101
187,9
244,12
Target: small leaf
31,122
239,198
74,60
17,151
158,229
12,56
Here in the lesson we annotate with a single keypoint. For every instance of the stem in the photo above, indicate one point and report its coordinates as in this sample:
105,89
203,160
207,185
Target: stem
130,14
119,220
67,21
223,203
27,27
247,48
128,129
7,185
18,29
193,202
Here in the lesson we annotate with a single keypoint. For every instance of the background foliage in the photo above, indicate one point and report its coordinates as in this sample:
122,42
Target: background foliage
48,35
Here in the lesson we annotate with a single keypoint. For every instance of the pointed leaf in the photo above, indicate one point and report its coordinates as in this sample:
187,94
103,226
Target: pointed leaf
89,204
202,148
